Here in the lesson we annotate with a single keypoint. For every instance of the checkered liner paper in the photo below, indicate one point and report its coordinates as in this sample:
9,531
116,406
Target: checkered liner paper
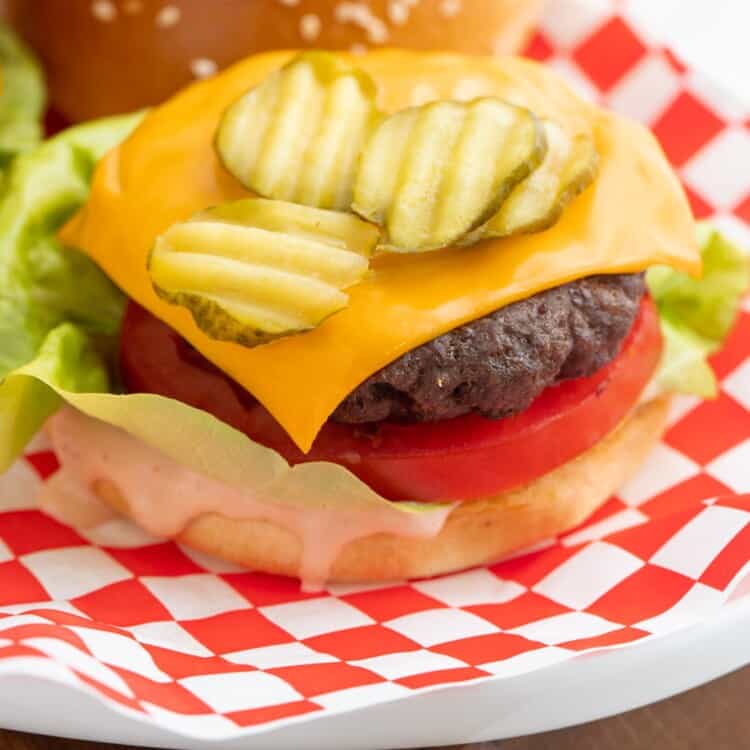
211,651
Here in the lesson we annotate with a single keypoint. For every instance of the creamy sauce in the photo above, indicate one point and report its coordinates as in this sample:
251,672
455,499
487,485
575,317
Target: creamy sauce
163,496
64,497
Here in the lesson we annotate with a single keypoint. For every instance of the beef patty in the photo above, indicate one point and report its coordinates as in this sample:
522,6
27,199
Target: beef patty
499,364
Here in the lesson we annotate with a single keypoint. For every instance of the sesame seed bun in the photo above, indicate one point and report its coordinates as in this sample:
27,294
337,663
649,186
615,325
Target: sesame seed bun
476,532
109,56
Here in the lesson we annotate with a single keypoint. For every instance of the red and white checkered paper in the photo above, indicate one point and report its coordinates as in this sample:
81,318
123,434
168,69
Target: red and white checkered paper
197,646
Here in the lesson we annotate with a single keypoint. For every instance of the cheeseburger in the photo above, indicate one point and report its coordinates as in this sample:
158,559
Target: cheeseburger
366,317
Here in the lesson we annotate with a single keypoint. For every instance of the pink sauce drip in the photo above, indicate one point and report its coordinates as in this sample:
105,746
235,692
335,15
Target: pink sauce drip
164,497
65,498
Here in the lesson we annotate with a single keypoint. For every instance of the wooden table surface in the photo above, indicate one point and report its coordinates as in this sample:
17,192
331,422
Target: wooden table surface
713,717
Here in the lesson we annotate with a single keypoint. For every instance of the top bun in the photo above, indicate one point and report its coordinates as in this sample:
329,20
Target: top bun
108,56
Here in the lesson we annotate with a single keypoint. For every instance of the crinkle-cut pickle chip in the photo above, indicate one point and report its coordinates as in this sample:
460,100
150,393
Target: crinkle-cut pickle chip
430,175
297,136
537,203
255,270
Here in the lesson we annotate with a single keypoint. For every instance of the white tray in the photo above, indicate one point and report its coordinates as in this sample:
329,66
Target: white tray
590,687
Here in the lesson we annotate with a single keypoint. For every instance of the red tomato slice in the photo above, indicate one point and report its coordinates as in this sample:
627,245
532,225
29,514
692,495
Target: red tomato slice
456,459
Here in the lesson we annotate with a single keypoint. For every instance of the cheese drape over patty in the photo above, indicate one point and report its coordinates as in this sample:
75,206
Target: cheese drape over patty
633,216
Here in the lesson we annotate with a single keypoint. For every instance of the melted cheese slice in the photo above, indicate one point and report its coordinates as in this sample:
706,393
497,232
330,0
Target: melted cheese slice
634,215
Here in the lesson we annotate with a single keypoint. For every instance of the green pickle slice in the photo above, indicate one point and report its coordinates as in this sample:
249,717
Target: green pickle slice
297,136
430,175
537,203
255,270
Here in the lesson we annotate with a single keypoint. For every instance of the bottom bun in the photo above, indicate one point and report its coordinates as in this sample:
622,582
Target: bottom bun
475,533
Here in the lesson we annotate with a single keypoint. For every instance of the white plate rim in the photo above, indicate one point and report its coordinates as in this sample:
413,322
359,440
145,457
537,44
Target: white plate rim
561,695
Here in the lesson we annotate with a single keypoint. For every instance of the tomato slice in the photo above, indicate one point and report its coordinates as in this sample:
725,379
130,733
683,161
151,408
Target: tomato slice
456,459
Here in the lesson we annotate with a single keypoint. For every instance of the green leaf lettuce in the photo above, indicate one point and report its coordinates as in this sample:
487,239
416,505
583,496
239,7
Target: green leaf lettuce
54,301
22,97
698,314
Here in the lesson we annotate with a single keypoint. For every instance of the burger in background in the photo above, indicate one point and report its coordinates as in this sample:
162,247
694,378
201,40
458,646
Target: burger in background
134,53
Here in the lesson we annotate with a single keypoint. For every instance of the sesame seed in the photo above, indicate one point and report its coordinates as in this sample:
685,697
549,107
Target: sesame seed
358,49
289,3
360,15
104,10
398,12
203,67
168,16
450,8
309,27
133,7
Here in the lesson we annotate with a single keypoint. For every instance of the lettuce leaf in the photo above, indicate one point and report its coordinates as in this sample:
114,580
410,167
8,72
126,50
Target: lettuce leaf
66,358
698,314
23,97
44,285
684,366
68,368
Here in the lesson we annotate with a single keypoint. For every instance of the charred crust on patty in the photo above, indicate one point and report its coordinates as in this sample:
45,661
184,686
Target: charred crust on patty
497,365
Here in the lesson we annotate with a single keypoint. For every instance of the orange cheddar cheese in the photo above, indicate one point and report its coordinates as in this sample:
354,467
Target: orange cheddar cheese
633,216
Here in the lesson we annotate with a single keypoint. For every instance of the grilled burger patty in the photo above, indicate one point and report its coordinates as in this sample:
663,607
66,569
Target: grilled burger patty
499,364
